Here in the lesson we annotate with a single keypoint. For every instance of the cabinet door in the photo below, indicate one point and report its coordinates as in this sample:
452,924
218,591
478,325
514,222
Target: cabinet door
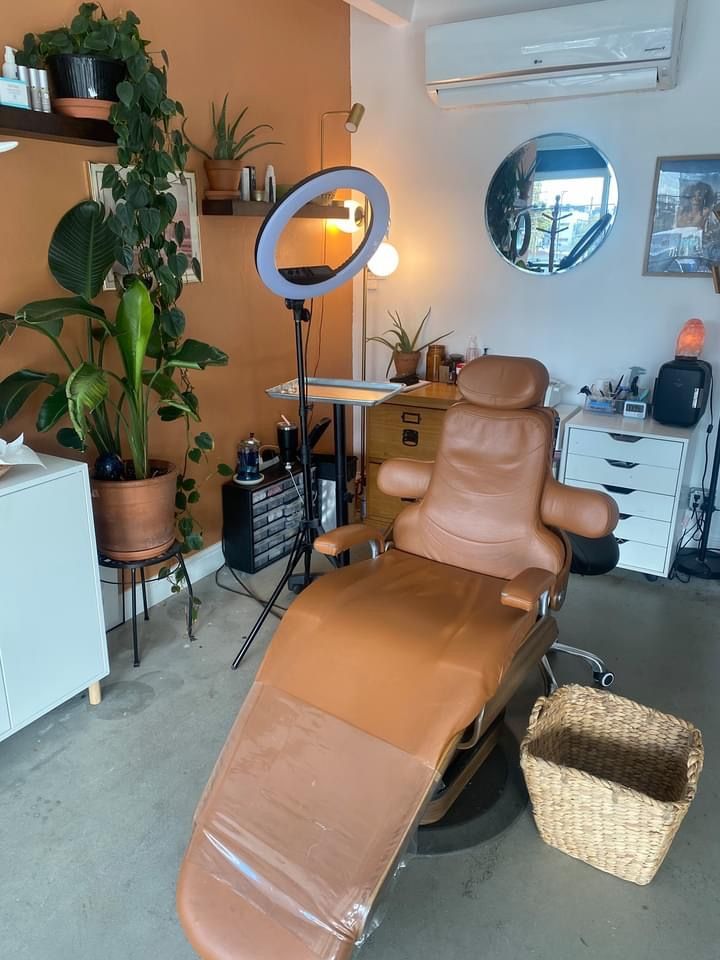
4,712
53,637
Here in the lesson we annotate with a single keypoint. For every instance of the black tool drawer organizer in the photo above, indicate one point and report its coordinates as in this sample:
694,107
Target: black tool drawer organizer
260,522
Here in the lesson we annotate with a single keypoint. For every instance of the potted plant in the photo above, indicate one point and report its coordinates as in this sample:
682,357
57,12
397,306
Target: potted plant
141,234
133,495
224,166
87,60
405,352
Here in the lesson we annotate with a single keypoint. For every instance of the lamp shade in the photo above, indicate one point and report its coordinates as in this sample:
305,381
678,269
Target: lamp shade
354,221
354,118
335,178
385,261
691,339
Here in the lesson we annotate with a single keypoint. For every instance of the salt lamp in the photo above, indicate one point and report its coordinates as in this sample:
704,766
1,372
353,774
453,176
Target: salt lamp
691,340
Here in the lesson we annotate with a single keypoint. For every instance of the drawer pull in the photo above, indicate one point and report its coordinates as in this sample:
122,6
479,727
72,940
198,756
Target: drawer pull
623,464
411,418
620,540
624,516
624,438
613,489
410,438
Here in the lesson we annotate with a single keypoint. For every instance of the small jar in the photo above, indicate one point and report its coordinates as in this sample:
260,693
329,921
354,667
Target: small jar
248,466
435,356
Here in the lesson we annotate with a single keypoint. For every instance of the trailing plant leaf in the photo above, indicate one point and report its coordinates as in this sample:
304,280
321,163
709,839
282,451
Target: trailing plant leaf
82,250
67,437
54,408
195,355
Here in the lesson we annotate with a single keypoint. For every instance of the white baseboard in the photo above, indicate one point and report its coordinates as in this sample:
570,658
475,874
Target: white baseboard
199,565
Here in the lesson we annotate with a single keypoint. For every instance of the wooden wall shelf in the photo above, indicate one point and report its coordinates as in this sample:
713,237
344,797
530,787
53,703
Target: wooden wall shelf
255,208
54,126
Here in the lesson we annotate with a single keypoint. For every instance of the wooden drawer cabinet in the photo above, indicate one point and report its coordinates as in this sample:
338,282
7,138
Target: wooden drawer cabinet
642,465
407,426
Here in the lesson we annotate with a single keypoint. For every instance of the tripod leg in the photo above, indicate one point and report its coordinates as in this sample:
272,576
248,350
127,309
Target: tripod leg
247,643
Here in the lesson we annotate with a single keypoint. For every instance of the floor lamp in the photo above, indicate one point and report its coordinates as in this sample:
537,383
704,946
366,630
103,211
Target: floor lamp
296,285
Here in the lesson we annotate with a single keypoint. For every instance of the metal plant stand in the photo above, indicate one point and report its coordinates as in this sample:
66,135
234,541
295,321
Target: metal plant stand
135,566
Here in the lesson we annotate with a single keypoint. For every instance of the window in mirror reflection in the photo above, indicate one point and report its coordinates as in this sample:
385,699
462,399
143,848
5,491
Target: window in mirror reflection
551,204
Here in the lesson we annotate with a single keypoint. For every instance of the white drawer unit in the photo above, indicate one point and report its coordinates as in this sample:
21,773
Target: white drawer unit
52,638
641,465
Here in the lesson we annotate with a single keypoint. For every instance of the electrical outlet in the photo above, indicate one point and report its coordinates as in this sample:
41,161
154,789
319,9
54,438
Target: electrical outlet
695,498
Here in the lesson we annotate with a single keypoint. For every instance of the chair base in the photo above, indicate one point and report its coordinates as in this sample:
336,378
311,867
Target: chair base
602,677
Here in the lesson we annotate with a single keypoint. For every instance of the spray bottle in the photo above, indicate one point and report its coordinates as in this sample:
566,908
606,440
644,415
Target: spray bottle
10,70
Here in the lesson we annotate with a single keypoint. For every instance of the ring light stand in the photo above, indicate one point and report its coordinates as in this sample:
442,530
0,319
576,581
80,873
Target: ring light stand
296,285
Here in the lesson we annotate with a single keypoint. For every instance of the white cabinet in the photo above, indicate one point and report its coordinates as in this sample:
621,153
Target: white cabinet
641,464
52,631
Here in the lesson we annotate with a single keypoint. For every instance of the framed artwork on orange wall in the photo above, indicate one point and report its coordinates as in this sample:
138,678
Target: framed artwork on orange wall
185,192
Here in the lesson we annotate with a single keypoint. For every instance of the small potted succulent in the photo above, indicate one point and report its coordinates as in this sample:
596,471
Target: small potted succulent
87,60
224,165
405,352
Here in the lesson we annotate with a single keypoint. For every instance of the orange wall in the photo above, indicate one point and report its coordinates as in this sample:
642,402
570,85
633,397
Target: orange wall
289,61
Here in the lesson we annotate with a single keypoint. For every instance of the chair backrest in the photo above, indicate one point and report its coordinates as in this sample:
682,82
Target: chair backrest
482,510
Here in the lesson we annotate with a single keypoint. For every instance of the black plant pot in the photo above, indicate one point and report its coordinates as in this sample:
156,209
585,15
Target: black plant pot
85,77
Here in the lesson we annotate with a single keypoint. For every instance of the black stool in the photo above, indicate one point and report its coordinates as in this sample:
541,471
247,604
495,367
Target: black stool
174,552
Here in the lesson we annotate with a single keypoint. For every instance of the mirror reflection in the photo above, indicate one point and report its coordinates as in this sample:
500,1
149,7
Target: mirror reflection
551,204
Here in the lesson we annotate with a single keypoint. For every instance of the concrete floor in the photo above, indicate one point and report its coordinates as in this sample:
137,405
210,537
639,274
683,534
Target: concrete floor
96,803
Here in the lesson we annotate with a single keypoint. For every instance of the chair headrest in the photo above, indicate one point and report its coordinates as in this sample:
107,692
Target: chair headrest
507,383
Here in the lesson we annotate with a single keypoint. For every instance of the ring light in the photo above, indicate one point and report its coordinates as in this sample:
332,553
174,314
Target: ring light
336,178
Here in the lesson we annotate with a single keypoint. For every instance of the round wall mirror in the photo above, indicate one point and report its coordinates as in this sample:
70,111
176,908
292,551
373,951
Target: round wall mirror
551,204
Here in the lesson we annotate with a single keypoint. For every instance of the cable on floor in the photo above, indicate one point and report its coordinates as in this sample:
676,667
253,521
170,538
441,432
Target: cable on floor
247,590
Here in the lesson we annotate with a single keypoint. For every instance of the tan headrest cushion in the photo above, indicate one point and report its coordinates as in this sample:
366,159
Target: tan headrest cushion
510,383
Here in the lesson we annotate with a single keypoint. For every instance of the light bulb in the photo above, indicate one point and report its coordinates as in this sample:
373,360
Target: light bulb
354,221
384,261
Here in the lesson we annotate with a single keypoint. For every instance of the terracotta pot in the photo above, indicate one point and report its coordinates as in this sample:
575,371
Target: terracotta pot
406,363
135,519
224,174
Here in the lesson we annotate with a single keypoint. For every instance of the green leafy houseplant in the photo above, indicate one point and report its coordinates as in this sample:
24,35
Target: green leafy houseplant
403,343
142,235
227,147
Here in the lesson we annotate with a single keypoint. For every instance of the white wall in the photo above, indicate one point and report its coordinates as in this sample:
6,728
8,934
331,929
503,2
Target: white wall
601,317
591,323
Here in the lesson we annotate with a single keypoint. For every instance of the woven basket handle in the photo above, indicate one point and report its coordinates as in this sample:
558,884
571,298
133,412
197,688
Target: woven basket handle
695,761
536,712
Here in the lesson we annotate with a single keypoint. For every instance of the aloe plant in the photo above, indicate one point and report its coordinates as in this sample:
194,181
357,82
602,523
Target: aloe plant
226,146
403,343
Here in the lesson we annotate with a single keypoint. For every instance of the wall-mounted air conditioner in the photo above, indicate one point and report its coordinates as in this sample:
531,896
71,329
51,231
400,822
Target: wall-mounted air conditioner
607,46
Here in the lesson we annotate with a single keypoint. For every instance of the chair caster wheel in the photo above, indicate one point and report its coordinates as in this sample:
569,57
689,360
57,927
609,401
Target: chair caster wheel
603,680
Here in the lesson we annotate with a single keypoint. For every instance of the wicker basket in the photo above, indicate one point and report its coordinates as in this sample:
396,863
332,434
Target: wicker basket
610,780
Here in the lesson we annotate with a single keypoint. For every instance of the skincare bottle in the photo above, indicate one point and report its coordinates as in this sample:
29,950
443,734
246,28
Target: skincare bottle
44,91
270,185
35,94
245,184
10,70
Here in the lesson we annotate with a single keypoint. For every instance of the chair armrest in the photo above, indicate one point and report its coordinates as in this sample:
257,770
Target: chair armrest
343,538
525,590
588,513
407,479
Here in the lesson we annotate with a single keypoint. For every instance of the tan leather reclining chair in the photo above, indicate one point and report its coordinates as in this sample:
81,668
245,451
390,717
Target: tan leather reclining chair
378,674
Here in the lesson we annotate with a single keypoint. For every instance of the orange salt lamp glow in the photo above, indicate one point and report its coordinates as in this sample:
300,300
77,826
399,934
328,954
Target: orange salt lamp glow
691,340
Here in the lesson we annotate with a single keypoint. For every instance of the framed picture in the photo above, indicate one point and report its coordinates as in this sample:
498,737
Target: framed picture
187,212
684,235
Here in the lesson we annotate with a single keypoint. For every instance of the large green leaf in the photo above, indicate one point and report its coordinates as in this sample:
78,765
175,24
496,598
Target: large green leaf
49,314
134,324
194,355
82,250
54,408
86,389
15,390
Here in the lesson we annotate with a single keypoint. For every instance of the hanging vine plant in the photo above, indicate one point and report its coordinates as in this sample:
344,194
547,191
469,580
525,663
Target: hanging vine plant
147,240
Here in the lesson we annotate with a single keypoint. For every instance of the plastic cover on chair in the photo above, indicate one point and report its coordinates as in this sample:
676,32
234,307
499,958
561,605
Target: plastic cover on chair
297,834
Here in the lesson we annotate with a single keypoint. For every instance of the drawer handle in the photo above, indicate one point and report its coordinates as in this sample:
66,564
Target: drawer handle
620,540
623,464
410,438
623,490
411,418
624,516
624,438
